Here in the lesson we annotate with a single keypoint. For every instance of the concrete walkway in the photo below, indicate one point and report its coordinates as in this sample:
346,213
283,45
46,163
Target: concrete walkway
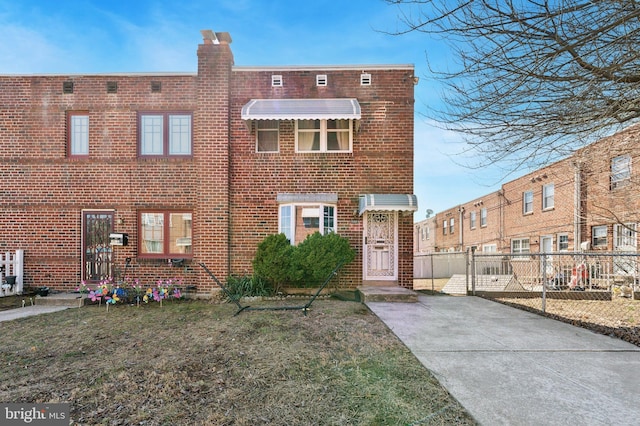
511,367
27,311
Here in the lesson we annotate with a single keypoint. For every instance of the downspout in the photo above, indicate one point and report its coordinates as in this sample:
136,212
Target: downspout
461,211
577,211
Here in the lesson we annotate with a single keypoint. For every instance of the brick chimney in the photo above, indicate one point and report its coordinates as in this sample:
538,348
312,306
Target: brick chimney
211,153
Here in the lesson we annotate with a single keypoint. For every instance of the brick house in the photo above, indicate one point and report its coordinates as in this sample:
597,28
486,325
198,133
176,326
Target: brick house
201,167
587,201
476,223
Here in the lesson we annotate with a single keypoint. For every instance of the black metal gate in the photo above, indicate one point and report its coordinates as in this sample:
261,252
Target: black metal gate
97,253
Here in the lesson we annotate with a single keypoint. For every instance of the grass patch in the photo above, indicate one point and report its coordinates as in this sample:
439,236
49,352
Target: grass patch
193,362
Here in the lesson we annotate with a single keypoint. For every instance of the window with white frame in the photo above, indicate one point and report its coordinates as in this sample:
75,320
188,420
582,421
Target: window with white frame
444,227
520,246
297,221
625,236
489,248
563,242
527,202
164,134
324,135
548,195
483,216
599,236
78,134
620,170
267,135
472,220
451,225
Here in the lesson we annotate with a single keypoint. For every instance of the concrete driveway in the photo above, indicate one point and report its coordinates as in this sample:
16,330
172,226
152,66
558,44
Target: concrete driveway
512,367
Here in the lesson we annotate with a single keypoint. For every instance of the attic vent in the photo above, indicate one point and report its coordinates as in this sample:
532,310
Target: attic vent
276,80
67,87
321,80
156,86
112,87
365,79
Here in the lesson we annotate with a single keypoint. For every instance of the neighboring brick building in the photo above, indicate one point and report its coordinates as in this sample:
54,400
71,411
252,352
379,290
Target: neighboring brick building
476,223
588,201
202,167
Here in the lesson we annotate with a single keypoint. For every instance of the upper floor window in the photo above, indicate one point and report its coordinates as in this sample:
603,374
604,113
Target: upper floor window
472,219
267,135
444,227
165,134
165,234
324,135
483,216
599,236
78,134
451,225
620,170
297,221
527,202
520,246
548,195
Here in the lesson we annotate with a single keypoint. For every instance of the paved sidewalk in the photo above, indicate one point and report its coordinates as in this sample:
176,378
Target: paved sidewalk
27,311
511,367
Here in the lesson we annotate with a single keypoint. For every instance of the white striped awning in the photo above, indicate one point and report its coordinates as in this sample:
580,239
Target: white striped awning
388,202
301,109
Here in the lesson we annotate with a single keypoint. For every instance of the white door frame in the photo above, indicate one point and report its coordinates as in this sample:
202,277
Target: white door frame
546,246
368,243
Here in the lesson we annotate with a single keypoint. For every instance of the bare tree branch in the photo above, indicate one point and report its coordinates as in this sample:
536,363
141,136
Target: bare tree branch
534,79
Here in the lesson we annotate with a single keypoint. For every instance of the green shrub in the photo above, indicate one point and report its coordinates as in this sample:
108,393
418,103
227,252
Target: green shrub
273,261
248,286
317,256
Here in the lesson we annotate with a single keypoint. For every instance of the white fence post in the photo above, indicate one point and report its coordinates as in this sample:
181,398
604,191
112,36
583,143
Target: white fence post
18,270
13,266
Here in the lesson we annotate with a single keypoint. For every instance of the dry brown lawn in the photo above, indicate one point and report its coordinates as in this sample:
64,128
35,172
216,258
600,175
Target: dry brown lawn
194,363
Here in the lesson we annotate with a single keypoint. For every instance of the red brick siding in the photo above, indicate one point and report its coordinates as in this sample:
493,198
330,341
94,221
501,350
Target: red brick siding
229,187
381,157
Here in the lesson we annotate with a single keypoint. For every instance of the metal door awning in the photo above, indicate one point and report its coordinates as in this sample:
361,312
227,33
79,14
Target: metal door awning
302,109
388,202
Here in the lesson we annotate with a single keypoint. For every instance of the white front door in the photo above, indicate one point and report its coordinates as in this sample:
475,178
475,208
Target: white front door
380,246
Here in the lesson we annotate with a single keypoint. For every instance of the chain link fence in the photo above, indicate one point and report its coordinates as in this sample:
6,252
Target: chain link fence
599,291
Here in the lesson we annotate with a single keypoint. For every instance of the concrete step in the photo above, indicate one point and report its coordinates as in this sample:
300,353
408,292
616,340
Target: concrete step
386,294
70,300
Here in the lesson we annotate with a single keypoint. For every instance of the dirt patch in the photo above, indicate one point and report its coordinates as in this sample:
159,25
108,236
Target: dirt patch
619,317
193,362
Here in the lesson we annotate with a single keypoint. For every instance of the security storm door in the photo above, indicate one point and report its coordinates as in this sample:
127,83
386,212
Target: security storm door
380,245
97,252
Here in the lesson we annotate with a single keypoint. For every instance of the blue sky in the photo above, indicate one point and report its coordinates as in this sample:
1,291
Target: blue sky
68,36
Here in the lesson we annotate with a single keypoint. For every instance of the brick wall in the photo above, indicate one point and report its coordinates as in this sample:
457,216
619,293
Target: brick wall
381,161
45,191
230,189
584,197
